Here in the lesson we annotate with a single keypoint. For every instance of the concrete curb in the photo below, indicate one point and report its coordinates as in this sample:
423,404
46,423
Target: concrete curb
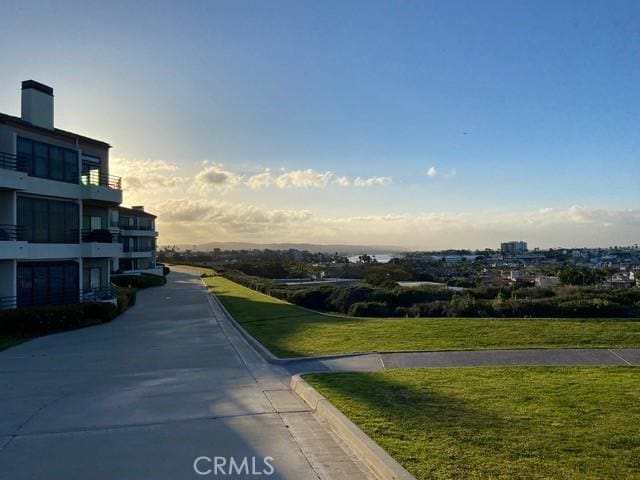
264,352
368,451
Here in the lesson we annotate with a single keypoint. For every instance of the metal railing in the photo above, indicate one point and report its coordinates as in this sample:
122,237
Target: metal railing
96,178
7,303
24,163
10,233
59,298
9,161
100,236
132,227
98,294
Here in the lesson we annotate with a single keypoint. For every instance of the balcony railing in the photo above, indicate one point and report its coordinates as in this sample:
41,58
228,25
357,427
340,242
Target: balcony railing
9,233
133,227
24,163
94,177
98,294
100,236
7,303
59,298
9,161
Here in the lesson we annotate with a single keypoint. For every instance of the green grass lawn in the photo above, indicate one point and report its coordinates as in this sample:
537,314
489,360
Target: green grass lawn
290,331
507,423
7,341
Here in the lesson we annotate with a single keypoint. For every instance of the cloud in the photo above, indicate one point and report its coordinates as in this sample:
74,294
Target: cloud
303,179
260,180
198,221
342,181
214,176
434,172
146,174
372,181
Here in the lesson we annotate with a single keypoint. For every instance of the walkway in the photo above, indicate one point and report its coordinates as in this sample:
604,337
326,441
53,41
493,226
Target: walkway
144,396
466,358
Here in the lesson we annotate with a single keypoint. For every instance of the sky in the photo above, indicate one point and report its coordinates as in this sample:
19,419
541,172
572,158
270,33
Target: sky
421,124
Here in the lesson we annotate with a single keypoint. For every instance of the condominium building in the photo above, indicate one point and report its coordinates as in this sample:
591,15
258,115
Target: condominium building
513,248
58,209
138,237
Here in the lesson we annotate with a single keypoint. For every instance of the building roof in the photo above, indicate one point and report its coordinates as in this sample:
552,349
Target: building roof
56,132
132,211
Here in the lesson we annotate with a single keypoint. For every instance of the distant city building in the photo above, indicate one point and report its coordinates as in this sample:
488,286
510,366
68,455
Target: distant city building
546,281
513,248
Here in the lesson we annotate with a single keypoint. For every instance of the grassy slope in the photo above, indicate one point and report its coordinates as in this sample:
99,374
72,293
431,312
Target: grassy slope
524,422
289,331
7,341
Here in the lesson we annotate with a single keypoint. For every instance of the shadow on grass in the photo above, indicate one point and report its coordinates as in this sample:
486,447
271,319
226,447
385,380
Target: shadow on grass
424,429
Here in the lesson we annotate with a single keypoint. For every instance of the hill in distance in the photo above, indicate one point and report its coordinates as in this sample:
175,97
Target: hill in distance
311,247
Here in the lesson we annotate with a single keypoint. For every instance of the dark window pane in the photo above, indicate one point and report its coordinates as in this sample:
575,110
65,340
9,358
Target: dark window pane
40,284
56,283
56,163
25,285
56,222
71,223
41,158
25,153
71,287
70,166
40,221
25,217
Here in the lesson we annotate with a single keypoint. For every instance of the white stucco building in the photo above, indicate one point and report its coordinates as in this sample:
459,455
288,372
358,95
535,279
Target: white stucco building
59,221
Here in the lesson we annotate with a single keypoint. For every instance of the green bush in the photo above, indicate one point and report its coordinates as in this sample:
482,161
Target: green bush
54,318
126,298
369,309
138,281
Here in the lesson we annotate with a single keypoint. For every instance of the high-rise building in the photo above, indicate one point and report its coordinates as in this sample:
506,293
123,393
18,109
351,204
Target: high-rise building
513,248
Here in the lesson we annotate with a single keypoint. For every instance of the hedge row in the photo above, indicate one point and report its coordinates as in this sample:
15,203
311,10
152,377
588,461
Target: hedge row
55,318
365,300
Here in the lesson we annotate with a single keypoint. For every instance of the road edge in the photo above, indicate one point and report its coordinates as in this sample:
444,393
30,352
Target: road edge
368,451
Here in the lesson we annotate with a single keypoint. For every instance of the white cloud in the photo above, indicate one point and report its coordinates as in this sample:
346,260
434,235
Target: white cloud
303,179
342,181
260,180
189,221
372,181
432,172
214,176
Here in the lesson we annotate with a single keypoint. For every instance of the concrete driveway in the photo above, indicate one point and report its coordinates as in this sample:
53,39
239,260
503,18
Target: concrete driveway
146,395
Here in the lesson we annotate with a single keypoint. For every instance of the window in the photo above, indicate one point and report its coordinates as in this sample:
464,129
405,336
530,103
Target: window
90,170
48,161
145,223
42,283
48,221
92,278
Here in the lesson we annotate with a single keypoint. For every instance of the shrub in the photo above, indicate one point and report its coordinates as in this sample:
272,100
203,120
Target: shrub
126,298
316,297
144,280
369,309
54,318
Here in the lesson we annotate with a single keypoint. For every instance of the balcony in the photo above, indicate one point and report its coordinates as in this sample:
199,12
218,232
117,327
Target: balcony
101,187
14,175
100,243
91,295
11,233
12,244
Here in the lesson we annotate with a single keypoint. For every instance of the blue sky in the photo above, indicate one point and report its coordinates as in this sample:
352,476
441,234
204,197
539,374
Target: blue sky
521,107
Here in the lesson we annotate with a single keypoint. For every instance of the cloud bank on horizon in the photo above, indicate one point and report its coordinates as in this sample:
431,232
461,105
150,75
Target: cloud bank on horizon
195,208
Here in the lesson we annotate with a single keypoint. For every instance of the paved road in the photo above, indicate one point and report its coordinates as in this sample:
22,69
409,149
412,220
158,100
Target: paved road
144,396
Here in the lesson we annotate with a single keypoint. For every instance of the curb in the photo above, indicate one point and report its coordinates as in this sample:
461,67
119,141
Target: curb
368,451
264,352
